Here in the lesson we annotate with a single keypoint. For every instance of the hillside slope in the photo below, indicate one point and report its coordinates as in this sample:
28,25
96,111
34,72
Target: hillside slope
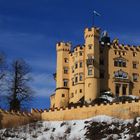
96,128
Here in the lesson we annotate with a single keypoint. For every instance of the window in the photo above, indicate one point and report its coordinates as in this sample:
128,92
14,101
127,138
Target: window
115,63
134,54
90,60
76,79
72,82
65,82
63,95
81,77
124,87
115,52
135,65
124,53
72,69
117,89
65,70
89,71
90,47
72,95
76,65
89,84
123,64
66,60
120,62
80,90
120,74
135,77
80,53
81,64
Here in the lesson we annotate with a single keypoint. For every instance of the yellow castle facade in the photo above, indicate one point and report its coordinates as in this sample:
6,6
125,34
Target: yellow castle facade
99,65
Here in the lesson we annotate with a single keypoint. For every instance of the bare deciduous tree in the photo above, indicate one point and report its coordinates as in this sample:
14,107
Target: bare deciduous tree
19,89
2,66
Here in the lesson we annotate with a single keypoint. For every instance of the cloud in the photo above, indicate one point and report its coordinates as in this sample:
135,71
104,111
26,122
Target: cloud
43,84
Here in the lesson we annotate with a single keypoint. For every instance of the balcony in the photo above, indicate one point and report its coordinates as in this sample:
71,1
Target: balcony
124,80
90,62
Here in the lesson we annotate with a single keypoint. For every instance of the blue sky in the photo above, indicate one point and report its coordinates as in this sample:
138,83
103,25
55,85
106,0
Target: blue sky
29,29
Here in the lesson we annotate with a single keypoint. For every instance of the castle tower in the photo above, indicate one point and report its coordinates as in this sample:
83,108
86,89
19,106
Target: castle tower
62,75
92,73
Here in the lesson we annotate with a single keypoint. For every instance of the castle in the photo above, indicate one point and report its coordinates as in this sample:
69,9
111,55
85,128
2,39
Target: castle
83,73
98,65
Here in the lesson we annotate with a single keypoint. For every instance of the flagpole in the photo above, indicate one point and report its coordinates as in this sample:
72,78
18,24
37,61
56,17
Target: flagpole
93,20
95,14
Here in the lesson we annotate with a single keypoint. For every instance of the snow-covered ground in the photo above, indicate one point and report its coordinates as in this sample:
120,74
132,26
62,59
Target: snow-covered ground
96,128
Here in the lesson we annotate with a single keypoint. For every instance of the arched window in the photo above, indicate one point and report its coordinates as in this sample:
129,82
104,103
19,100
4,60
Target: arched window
120,74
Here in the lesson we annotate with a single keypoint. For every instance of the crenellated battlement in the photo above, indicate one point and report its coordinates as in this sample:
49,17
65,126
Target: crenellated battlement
95,105
14,119
123,110
125,47
91,32
65,46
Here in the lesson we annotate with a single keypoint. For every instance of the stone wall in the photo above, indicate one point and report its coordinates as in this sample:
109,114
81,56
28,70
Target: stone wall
14,119
121,110
126,110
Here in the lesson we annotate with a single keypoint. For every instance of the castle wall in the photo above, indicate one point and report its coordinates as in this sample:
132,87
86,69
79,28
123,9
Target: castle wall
14,119
126,53
127,110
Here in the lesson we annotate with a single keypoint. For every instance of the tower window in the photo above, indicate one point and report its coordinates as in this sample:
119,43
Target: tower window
72,95
65,82
80,53
76,79
66,60
134,54
73,82
63,95
80,90
89,71
90,47
81,64
72,69
81,77
76,65
65,70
